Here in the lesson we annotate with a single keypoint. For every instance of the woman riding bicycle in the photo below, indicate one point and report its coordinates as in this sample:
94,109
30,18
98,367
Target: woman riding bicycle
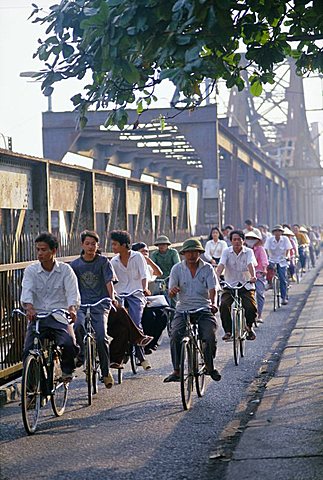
196,285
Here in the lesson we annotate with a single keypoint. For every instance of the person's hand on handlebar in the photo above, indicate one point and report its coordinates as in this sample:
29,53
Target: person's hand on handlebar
147,292
253,279
214,308
30,312
72,312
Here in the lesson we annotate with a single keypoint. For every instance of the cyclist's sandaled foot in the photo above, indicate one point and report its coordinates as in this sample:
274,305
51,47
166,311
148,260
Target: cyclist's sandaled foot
108,381
173,377
144,341
250,334
259,320
284,301
215,375
145,365
227,336
116,365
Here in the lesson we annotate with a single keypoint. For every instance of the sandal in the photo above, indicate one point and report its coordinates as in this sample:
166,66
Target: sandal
251,335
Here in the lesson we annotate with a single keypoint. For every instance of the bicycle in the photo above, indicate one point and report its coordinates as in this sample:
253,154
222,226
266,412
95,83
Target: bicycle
92,362
239,331
42,376
130,354
192,363
276,289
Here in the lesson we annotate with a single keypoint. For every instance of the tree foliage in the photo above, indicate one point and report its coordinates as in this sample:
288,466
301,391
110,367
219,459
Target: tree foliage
130,46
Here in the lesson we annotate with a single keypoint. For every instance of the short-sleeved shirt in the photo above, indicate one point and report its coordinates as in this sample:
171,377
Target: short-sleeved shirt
277,250
130,277
92,277
49,290
261,258
194,291
166,260
236,266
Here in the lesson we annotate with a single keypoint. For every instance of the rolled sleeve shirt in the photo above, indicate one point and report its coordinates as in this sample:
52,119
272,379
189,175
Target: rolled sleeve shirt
236,266
130,277
277,250
49,290
194,291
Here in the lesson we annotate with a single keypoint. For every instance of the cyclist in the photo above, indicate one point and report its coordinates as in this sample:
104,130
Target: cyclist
303,243
47,285
131,271
95,274
196,284
165,257
278,247
214,246
254,241
153,269
239,263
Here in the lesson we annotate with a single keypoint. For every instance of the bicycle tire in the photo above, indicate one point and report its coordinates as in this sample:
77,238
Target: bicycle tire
199,370
275,293
95,369
186,374
31,393
120,376
59,389
235,334
278,293
89,369
133,362
243,332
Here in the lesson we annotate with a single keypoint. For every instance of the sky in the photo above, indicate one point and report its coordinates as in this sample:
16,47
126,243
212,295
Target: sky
21,100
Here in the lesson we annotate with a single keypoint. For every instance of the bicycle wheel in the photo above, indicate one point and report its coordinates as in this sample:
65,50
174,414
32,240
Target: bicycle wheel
186,374
278,293
89,368
243,333
59,389
30,393
236,334
275,293
120,375
199,369
95,369
133,361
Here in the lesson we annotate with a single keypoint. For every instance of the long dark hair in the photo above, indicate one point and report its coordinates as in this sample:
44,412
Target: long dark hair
218,230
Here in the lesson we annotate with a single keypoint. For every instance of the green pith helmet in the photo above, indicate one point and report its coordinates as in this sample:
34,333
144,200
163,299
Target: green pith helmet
191,244
162,240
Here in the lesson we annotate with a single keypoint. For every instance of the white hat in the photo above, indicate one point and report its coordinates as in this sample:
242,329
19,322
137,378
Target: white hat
303,229
253,235
287,231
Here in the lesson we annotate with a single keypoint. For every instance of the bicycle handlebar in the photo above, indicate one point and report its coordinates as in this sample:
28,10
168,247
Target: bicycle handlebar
196,310
226,284
41,315
87,305
125,295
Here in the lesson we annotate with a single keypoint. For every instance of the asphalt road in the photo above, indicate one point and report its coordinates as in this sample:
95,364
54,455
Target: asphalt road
138,430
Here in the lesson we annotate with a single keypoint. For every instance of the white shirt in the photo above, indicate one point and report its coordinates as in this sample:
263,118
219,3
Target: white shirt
277,250
214,249
130,277
236,266
49,290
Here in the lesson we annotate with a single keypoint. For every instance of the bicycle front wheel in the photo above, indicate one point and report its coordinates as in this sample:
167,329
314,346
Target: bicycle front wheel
186,374
236,335
89,369
133,360
30,394
59,389
199,369
243,333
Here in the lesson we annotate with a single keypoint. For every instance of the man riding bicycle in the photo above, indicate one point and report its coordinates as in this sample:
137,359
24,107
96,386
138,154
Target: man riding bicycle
196,285
238,263
47,285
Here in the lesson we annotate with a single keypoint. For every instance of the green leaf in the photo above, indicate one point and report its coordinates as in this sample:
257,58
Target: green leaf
256,88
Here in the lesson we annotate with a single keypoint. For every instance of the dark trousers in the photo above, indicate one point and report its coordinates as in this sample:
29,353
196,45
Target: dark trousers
99,317
51,328
207,333
123,331
248,302
154,321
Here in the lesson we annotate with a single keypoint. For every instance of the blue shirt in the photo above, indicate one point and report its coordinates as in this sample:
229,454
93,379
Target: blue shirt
92,277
